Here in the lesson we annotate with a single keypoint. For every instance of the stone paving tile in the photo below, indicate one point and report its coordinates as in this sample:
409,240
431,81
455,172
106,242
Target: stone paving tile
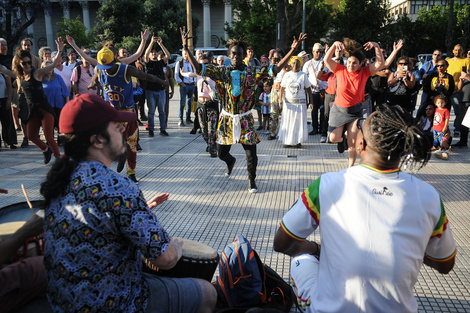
209,208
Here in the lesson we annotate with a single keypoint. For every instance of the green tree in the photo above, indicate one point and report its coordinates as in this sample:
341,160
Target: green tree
78,31
362,21
164,18
119,18
14,29
257,20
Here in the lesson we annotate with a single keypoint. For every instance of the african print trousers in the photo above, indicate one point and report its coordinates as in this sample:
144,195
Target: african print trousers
132,134
208,120
276,111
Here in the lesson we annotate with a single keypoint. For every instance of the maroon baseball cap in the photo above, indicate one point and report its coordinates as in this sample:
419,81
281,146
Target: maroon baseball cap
88,111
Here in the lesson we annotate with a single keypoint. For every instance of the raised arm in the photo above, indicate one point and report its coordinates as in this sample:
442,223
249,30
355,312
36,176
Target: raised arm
149,49
295,44
132,71
82,54
328,58
379,63
391,57
39,73
5,71
184,38
144,36
165,50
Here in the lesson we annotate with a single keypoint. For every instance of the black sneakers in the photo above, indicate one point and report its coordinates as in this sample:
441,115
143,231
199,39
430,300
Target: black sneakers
459,144
151,134
229,169
163,133
47,155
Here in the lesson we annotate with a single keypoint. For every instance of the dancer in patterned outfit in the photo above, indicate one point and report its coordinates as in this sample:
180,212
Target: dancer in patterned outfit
115,78
236,85
98,226
207,108
276,109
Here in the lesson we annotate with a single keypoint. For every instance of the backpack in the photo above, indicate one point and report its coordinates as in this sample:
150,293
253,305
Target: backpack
245,282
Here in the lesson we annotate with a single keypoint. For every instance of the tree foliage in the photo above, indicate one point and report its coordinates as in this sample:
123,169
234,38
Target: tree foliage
362,21
14,28
77,30
257,21
122,21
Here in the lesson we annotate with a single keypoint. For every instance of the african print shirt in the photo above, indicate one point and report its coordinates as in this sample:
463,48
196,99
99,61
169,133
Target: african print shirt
95,237
237,94
376,227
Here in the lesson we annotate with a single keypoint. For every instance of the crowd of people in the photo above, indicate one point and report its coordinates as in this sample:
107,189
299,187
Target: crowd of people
98,225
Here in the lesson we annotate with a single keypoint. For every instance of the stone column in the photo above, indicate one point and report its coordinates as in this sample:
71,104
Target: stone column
206,5
228,15
66,9
86,14
49,32
31,33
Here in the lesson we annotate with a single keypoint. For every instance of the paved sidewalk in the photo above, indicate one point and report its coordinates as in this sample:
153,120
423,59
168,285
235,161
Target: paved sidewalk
206,207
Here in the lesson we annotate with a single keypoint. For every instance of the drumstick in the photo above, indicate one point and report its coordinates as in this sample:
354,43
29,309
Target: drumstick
27,198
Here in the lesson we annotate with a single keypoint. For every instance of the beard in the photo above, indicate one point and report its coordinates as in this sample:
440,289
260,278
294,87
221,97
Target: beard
119,155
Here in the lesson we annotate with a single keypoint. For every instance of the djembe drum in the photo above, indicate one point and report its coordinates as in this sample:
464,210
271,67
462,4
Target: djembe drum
198,261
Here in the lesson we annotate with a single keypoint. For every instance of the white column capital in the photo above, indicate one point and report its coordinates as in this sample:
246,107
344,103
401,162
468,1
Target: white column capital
206,2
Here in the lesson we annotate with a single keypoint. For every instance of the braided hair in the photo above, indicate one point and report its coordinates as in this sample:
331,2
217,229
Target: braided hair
76,150
397,137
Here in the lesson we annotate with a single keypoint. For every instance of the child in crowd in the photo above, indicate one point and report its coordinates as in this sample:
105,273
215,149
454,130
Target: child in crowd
265,102
441,122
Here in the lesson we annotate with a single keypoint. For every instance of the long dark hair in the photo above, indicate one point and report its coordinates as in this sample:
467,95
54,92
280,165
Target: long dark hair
398,137
75,150
19,55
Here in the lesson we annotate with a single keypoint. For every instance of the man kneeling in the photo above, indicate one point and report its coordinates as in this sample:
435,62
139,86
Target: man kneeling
98,225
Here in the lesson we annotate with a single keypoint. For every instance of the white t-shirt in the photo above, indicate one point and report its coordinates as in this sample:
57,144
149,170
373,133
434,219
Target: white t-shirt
66,74
375,229
295,84
307,68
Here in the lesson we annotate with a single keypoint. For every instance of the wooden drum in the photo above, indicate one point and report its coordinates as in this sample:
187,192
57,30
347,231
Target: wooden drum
12,218
198,261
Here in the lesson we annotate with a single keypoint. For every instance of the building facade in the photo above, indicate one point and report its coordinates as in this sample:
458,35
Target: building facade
412,7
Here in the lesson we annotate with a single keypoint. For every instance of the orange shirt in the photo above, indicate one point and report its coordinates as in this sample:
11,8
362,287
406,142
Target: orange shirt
350,87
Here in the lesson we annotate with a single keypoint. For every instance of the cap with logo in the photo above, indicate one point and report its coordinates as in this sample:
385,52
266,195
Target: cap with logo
88,111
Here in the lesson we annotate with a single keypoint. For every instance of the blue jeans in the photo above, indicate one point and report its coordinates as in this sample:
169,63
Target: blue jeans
455,101
186,96
156,99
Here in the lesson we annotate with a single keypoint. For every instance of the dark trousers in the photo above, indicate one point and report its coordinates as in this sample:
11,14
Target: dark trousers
251,158
463,129
317,106
8,126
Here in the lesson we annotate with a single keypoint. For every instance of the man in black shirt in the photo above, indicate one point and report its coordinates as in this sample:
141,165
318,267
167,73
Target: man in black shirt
155,92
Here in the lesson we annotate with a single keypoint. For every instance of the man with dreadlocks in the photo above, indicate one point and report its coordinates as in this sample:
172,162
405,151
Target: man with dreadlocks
236,85
378,225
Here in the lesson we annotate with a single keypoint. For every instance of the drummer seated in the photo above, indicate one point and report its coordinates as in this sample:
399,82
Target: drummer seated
25,280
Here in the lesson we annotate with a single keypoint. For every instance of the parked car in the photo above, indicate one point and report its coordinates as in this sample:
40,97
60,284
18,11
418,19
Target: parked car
173,59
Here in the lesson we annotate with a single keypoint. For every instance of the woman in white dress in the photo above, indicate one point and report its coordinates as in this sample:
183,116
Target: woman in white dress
293,130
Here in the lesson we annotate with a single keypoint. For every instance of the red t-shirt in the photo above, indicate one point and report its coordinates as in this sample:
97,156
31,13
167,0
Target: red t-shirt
440,117
331,78
350,86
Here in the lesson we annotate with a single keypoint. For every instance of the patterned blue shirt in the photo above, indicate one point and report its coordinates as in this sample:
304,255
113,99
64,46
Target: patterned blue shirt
96,234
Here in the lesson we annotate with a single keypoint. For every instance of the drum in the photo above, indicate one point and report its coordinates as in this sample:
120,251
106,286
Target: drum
12,218
198,261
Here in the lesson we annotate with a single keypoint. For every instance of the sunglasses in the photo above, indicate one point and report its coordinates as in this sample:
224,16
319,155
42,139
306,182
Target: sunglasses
26,63
88,72
440,65
437,54
403,63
